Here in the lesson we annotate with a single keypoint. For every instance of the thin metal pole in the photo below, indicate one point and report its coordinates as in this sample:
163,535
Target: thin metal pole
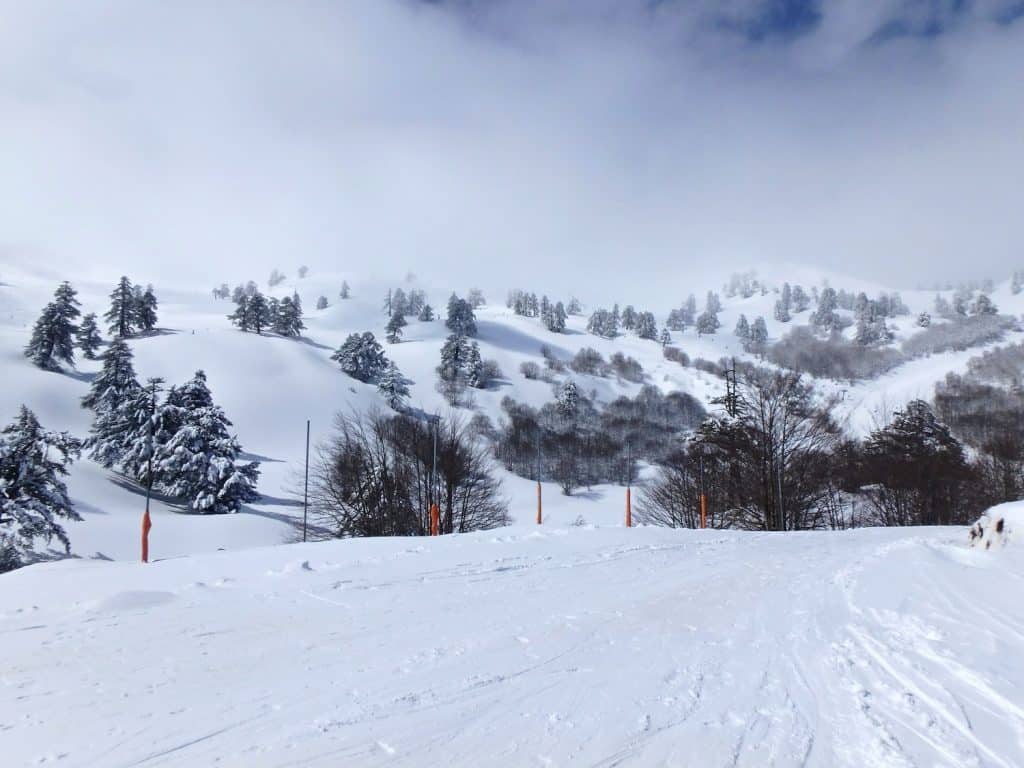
305,490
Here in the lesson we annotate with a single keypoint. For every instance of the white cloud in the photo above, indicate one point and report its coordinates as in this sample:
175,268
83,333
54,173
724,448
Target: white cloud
495,148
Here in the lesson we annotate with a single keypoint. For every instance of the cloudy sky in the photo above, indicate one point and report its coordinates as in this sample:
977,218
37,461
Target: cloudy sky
546,143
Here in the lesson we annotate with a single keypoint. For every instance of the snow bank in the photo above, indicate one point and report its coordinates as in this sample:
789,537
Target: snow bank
997,526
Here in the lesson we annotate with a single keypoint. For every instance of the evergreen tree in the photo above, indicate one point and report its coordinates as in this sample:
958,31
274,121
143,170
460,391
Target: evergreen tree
52,340
345,291
942,307
287,318
801,301
713,304
361,357
111,390
426,314
959,305
393,387
666,338
122,313
786,298
782,311
33,495
461,318
825,317
646,326
115,381
629,318
924,320
983,306
321,303
199,462
395,326
145,310
399,303
603,323
556,318
567,401
88,337
417,300
241,316
688,313
707,323
454,358
258,312
145,423
758,338
674,321
1016,283
574,308
475,367
742,331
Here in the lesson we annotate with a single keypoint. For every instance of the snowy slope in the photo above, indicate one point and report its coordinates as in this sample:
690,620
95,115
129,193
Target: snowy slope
575,646
269,386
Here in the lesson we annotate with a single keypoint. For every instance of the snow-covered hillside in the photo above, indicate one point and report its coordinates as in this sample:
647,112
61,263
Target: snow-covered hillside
566,646
269,386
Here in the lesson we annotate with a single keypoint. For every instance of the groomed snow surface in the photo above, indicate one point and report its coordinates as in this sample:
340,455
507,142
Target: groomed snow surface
560,646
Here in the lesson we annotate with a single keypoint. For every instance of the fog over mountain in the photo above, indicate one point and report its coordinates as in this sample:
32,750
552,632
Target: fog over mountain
599,144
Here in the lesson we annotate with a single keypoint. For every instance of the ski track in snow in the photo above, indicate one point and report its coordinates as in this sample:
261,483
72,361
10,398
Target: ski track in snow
600,647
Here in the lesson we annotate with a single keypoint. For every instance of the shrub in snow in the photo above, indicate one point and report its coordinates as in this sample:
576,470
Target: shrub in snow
996,528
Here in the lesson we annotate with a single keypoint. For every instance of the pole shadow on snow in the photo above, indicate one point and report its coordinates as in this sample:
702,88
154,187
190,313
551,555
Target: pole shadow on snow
134,488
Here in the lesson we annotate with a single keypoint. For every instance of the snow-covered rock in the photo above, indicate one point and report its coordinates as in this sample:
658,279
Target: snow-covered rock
996,528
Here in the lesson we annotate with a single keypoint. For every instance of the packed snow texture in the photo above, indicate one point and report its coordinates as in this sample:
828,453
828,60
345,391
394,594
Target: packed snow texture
560,646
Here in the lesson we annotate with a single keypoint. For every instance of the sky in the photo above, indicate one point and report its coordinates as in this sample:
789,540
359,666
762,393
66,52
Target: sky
588,146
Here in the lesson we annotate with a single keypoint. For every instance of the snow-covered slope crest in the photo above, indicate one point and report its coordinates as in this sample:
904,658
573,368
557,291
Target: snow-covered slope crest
571,646
998,527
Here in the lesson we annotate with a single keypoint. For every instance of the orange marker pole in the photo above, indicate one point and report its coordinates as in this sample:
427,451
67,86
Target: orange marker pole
146,525
540,515
629,509
435,519
703,510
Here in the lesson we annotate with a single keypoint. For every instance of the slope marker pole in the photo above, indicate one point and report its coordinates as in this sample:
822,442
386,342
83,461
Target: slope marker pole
305,489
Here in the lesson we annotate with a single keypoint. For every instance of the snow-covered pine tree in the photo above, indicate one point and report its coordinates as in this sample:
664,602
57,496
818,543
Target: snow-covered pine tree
121,316
713,304
758,339
321,303
629,318
399,303
556,318
53,337
742,330
567,400
345,291
303,271
1016,283
475,367
275,279
287,318
666,338
574,307
395,326
461,318
113,387
781,311
476,299
199,462
688,313
983,305
147,423
426,314
674,321
646,326
33,495
88,337
825,318
924,320
116,379
145,310
361,356
240,317
786,297
393,387
801,301
707,323
417,300
258,312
